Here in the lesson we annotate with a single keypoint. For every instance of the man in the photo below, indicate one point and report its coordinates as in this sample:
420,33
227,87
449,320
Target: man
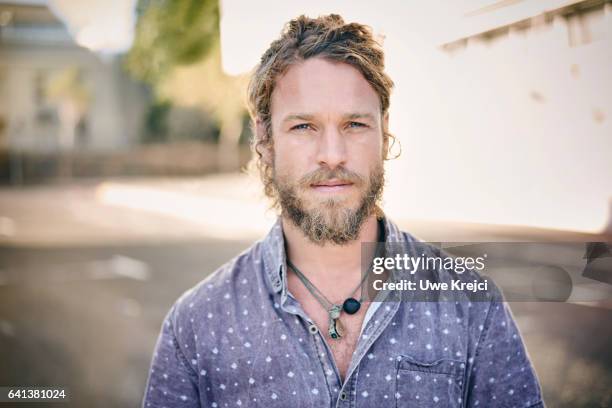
278,326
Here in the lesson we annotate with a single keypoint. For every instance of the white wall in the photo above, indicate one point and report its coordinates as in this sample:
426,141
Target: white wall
514,132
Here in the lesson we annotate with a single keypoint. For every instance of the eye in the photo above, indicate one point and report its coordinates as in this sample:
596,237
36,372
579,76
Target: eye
301,126
357,125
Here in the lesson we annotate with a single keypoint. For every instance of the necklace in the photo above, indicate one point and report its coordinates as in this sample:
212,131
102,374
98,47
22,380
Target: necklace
350,305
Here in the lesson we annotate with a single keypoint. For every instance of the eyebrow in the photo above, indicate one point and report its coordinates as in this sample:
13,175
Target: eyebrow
361,116
308,117
298,116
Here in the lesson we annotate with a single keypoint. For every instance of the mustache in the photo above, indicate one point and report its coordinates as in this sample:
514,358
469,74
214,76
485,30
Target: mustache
322,174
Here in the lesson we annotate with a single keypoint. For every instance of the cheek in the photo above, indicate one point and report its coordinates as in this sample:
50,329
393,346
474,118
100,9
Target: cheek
291,157
366,152
282,157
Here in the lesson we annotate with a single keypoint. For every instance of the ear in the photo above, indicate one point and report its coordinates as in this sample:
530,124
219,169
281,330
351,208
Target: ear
265,149
385,130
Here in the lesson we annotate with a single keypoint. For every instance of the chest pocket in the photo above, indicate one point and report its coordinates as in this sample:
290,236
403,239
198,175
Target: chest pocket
420,384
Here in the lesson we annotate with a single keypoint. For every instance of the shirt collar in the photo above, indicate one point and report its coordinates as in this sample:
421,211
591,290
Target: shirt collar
275,263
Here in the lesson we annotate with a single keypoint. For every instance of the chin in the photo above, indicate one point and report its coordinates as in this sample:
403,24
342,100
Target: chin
336,210
332,204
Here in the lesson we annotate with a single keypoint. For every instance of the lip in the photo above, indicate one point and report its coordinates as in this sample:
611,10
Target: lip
332,185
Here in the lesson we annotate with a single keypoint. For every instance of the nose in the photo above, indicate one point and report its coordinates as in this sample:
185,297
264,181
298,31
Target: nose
332,149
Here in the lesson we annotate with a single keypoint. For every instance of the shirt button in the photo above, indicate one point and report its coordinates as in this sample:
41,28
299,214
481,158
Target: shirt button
343,396
313,329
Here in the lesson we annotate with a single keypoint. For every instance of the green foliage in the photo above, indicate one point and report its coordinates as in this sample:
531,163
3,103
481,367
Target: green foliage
177,51
156,122
171,33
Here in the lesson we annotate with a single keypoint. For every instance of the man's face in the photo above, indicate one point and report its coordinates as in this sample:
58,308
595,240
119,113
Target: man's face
327,148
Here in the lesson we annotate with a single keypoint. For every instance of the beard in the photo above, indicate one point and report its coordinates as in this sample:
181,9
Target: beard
330,220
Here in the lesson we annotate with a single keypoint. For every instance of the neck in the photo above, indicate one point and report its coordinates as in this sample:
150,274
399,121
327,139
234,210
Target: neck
328,266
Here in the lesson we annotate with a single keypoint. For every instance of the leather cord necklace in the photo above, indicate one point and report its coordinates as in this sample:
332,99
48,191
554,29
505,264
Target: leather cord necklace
350,305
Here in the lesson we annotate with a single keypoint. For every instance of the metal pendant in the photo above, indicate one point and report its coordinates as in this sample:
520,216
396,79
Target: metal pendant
334,312
336,329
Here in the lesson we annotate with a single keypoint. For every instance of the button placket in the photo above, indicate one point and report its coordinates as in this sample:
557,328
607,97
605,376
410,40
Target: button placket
346,392
370,334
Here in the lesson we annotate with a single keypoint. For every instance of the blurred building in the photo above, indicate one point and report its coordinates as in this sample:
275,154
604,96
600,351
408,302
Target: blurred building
574,23
69,108
512,112
56,95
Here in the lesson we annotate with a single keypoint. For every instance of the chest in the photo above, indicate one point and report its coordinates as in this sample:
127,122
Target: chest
342,348
274,362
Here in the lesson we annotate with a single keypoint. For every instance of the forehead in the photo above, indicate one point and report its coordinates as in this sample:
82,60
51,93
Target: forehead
320,86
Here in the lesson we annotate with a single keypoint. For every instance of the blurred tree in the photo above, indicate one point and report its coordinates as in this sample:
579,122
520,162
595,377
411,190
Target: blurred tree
177,50
171,33
204,84
156,125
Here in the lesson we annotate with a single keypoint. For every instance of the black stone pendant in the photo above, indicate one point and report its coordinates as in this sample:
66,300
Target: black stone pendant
351,306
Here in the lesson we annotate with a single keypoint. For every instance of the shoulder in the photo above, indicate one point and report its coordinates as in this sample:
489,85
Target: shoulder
219,288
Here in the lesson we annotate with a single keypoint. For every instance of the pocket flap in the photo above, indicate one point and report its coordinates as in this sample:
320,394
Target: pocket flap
441,366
